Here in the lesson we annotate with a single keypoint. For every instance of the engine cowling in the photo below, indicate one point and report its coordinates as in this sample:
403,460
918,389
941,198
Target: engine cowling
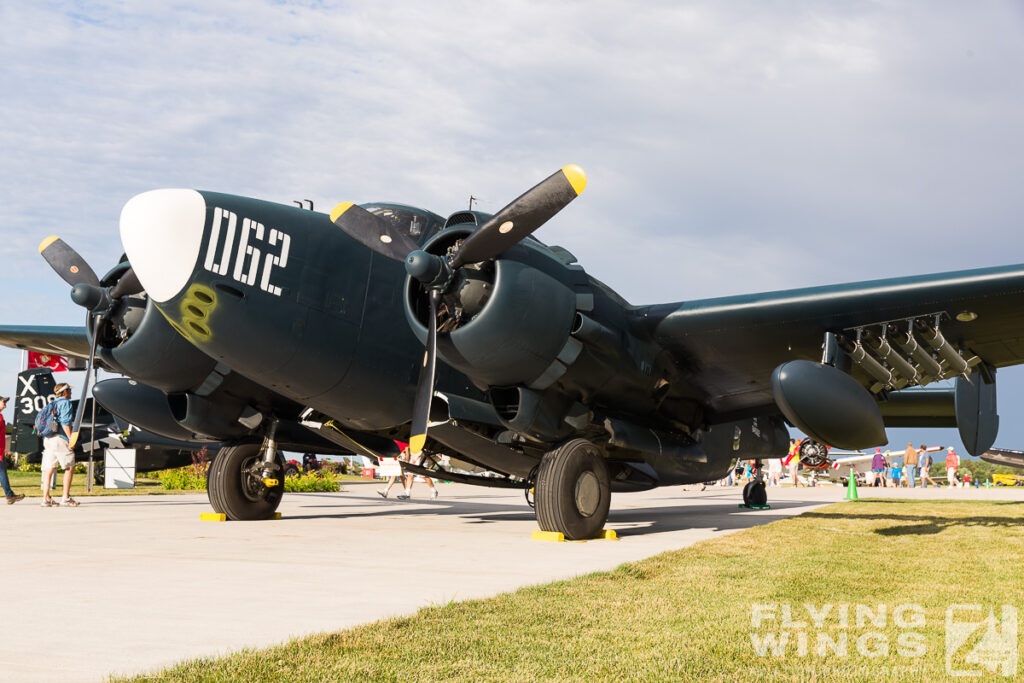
138,341
503,322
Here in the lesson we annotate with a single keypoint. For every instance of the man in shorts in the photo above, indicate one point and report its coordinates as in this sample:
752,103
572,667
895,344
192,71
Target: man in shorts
793,462
56,450
878,468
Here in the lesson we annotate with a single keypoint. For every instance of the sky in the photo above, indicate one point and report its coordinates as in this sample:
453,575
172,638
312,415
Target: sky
730,147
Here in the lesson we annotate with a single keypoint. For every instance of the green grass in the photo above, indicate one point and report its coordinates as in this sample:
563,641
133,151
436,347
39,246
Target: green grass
686,615
28,483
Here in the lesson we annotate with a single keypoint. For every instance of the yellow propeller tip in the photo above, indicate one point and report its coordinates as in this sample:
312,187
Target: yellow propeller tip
577,178
47,242
416,443
73,441
340,209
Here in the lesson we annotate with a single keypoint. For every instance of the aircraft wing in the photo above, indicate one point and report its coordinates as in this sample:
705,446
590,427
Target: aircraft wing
1003,456
851,460
62,341
728,347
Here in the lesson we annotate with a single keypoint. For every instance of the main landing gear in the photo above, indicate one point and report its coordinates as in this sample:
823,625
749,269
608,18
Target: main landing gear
246,481
573,490
755,496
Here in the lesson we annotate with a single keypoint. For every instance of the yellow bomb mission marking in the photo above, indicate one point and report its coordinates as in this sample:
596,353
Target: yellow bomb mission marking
195,308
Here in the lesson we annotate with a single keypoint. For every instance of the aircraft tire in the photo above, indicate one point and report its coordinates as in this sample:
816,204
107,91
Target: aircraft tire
573,490
236,491
758,494
746,492
212,487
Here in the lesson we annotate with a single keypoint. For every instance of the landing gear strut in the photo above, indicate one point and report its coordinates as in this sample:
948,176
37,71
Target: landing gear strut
573,490
237,487
755,496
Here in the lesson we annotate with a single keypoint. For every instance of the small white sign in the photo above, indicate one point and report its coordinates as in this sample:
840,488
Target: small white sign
389,467
119,468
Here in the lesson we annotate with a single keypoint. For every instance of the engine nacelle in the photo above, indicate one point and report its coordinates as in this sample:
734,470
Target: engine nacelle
137,340
511,319
158,355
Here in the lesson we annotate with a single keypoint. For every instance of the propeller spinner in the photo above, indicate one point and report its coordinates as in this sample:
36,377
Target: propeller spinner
508,227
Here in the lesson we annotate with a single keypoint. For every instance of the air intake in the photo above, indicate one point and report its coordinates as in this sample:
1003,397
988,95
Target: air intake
460,218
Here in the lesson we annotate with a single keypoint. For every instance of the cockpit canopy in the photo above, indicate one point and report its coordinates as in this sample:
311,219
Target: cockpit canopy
419,224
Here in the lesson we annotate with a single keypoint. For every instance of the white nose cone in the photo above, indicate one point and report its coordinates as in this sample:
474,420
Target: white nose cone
162,231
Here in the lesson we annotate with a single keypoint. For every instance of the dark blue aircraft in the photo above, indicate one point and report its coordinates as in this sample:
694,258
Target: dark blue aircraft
268,327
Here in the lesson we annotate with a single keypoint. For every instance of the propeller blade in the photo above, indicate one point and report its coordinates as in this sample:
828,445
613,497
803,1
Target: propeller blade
373,231
66,262
80,413
425,385
126,285
525,214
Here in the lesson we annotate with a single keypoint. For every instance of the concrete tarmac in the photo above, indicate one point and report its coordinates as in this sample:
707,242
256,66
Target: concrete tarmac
127,584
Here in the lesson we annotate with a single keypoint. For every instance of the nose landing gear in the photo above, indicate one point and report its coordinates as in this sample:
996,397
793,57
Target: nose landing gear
237,486
755,495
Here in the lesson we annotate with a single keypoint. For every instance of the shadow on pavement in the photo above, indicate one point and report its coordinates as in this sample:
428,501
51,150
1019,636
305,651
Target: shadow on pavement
719,512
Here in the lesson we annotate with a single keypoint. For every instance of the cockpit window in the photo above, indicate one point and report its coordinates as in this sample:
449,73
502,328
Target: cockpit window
416,223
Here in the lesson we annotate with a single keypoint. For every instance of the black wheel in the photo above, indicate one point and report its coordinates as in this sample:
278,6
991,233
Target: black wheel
291,471
98,474
758,494
573,490
746,492
235,484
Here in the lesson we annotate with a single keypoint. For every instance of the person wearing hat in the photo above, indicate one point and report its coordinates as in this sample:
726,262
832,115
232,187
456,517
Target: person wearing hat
952,464
57,451
5,483
878,468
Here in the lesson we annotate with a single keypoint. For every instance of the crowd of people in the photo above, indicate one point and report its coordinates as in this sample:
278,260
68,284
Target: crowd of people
914,469
916,466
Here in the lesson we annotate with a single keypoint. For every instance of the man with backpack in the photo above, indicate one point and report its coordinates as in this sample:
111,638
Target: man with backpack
56,450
